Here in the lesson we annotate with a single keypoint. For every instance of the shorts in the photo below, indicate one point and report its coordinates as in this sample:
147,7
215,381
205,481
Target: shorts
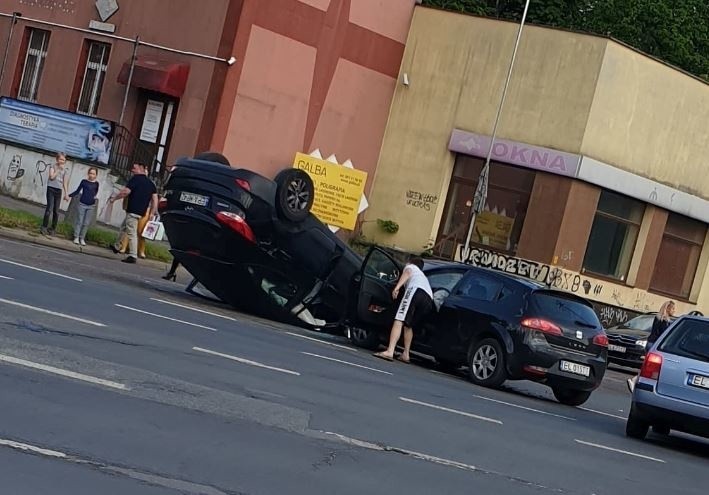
414,307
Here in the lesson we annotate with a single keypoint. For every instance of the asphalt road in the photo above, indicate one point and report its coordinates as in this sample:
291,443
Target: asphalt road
114,381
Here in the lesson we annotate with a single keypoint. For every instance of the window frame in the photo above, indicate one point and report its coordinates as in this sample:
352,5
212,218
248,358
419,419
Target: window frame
101,69
41,56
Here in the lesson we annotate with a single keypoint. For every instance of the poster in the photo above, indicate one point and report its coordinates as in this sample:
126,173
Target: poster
338,190
493,230
151,121
49,129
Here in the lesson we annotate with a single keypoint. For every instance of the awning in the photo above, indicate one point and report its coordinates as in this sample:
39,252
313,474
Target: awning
162,76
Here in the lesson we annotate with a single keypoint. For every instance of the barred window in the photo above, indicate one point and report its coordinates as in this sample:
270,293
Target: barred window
94,75
34,64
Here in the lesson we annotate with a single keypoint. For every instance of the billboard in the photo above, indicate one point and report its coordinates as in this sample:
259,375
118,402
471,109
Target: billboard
49,129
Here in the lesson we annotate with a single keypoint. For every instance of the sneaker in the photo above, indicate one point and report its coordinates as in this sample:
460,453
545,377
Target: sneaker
113,248
52,231
76,240
129,259
43,231
82,242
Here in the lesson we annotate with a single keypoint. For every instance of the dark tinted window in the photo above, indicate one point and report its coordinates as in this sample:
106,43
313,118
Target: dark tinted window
689,338
479,287
444,280
639,323
563,310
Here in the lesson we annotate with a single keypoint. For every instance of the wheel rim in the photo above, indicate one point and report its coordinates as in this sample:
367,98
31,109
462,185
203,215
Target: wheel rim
297,196
359,334
484,362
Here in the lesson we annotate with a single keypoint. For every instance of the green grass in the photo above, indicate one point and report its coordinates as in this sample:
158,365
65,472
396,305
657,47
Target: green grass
97,236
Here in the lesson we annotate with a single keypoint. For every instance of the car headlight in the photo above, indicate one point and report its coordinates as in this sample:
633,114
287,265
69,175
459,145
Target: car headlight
641,343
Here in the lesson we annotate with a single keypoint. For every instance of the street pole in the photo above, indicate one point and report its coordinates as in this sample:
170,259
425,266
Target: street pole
481,191
130,79
15,16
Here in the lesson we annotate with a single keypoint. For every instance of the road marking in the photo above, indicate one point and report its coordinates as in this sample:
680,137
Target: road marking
166,317
538,411
31,448
245,361
61,372
6,278
346,362
53,313
602,413
193,309
322,341
604,447
454,411
40,270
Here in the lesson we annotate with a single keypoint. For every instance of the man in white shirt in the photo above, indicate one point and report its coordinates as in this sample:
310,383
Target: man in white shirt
416,303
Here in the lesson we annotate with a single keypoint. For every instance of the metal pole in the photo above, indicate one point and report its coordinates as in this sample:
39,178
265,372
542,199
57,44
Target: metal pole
479,205
130,79
15,15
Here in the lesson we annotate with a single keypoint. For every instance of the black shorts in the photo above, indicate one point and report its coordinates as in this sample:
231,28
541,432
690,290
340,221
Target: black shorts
414,307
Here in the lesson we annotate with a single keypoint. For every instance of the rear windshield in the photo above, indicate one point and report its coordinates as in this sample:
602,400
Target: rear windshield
564,310
688,338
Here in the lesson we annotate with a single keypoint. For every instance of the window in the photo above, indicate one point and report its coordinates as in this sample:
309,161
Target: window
38,41
445,280
479,287
678,257
689,338
94,75
613,235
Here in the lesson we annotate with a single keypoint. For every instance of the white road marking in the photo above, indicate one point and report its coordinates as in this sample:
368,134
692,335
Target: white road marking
245,361
604,447
40,270
346,362
6,278
193,309
454,411
538,411
322,341
61,372
166,317
602,413
53,313
31,448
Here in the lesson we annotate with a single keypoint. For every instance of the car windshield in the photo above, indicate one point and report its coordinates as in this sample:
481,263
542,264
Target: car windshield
643,322
565,310
688,338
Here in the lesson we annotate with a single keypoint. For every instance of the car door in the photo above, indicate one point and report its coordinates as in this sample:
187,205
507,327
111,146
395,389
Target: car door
379,274
443,282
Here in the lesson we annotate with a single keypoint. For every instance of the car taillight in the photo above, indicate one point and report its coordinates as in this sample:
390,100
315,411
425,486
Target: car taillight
243,183
651,366
544,326
162,204
601,339
237,224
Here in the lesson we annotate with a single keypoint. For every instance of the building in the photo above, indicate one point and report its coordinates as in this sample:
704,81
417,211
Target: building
597,183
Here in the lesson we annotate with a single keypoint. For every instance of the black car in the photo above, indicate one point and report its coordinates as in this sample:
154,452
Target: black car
626,342
498,325
253,242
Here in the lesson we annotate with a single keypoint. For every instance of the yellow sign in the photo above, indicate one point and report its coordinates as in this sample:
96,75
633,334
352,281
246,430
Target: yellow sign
338,190
493,230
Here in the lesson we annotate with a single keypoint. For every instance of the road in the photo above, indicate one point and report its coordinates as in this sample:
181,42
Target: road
114,381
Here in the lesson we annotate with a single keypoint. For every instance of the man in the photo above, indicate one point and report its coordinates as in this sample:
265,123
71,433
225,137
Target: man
415,305
140,192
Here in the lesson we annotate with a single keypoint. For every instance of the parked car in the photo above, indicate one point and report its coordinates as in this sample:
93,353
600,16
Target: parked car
672,392
498,325
627,341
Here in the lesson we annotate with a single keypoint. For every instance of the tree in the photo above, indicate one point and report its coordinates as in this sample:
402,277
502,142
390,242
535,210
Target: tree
676,31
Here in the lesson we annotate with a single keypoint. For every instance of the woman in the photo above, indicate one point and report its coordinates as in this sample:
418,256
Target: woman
56,184
662,320
87,192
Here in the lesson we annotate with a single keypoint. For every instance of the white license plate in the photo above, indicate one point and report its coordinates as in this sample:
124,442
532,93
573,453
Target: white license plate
616,348
195,199
699,381
575,368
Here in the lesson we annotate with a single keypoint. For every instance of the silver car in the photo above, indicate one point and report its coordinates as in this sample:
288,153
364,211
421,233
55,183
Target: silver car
672,392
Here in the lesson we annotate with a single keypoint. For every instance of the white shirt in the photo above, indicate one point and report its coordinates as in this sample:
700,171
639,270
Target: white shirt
417,280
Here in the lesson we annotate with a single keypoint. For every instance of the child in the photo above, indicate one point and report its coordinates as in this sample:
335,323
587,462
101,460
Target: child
56,184
87,203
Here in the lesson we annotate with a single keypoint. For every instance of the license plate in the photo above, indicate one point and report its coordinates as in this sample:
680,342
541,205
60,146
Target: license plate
575,368
195,199
616,348
699,381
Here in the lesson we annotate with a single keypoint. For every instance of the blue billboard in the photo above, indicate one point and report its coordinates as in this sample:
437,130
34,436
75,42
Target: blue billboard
49,129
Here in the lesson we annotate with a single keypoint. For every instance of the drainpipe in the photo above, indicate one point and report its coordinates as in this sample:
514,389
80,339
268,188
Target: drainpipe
15,15
130,79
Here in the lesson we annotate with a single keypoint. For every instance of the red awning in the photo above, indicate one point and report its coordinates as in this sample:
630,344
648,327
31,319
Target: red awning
165,77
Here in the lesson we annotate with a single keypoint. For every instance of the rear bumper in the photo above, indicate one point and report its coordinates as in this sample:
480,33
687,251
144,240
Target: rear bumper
631,360
676,414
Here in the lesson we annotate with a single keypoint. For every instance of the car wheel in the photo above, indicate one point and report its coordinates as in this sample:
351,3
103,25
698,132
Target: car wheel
295,193
366,339
636,427
661,429
570,397
486,362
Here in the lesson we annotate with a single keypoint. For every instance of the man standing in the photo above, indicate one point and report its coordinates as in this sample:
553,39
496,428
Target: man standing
140,192
415,305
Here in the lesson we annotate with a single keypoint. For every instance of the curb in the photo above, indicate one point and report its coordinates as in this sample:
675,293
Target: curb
67,245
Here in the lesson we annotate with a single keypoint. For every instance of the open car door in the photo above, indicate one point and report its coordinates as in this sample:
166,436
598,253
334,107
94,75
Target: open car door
378,277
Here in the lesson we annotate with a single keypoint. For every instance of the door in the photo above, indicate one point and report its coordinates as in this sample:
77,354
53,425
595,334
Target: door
155,127
378,277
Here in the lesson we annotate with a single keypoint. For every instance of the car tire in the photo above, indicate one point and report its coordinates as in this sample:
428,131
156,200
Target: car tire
661,429
295,193
486,363
636,427
571,397
366,339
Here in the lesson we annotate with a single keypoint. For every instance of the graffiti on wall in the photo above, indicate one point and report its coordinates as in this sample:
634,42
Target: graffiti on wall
14,168
417,199
612,315
41,167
